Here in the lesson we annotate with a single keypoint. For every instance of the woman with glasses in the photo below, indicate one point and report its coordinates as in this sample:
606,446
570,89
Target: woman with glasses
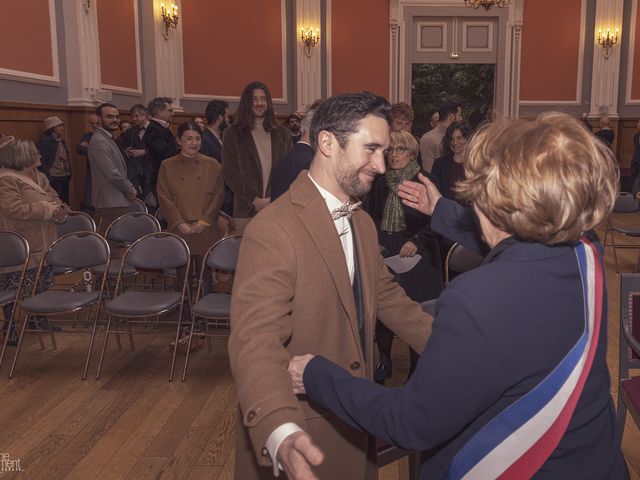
404,232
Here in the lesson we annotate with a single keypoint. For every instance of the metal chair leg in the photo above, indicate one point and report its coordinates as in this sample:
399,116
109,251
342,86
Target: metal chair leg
20,339
104,348
175,348
186,358
91,342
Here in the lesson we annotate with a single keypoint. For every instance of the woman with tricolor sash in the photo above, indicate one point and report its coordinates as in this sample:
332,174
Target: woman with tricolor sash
513,382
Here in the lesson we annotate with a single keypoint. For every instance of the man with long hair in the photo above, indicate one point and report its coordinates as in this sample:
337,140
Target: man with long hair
251,146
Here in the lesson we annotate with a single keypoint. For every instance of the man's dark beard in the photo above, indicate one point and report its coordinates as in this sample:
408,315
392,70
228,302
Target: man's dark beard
353,186
223,125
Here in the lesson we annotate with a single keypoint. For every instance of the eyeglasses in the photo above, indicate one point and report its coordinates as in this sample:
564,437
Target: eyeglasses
398,150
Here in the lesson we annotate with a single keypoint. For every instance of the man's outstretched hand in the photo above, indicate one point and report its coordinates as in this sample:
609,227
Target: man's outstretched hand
297,454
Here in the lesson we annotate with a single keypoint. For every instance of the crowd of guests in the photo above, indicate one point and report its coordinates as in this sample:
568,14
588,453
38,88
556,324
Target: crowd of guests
422,196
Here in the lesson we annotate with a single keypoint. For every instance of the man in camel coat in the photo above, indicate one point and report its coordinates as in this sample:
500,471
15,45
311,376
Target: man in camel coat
310,278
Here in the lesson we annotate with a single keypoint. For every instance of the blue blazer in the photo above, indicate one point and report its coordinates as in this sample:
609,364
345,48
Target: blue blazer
498,331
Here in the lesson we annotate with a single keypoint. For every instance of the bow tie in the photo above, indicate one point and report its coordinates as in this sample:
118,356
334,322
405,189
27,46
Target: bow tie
345,210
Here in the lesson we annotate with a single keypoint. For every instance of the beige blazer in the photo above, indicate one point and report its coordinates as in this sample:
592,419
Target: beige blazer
22,210
291,296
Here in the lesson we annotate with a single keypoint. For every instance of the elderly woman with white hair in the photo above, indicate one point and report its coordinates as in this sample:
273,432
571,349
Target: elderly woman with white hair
29,206
513,382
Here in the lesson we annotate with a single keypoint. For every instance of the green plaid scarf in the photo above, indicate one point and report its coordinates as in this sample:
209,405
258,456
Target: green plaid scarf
393,215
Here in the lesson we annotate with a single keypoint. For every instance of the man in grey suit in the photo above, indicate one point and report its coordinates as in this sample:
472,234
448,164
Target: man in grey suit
111,191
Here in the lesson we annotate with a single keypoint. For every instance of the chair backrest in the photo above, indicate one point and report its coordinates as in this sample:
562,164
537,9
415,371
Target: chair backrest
625,203
131,226
460,259
78,250
223,255
137,205
14,249
158,251
161,219
151,201
76,222
629,321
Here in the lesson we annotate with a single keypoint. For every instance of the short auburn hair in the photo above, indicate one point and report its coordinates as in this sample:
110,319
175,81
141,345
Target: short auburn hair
546,180
403,111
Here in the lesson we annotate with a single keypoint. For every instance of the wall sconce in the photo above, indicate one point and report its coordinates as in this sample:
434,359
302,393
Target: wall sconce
309,38
607,40
169,18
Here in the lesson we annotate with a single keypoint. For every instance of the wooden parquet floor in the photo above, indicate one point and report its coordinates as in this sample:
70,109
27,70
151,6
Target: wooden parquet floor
134,424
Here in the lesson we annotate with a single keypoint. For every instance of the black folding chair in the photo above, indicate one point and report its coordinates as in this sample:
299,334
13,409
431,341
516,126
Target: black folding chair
14,252
624,206
156,251
76,222
460,259
77,251
213,308
137,206
123,232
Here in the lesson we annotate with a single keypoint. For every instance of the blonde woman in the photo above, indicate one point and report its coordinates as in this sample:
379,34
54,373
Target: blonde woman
405,232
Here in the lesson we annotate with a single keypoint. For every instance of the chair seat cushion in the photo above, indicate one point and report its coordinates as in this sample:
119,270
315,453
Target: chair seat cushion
142,303
213,305
7,296
58,301
114,269
631,387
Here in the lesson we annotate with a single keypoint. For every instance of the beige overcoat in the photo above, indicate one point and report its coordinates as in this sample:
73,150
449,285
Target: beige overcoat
291,296
190,189
22,210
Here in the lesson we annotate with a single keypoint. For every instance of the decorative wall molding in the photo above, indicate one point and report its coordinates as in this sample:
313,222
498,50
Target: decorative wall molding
443,36
632,34
465,39
285,70
402,44
513,51
309,68
580,72
81,40
397,26
168,55
125,90
606,71
31,77
327,37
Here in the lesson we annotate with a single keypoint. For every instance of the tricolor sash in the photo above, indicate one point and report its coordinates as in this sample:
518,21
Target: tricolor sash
515,443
